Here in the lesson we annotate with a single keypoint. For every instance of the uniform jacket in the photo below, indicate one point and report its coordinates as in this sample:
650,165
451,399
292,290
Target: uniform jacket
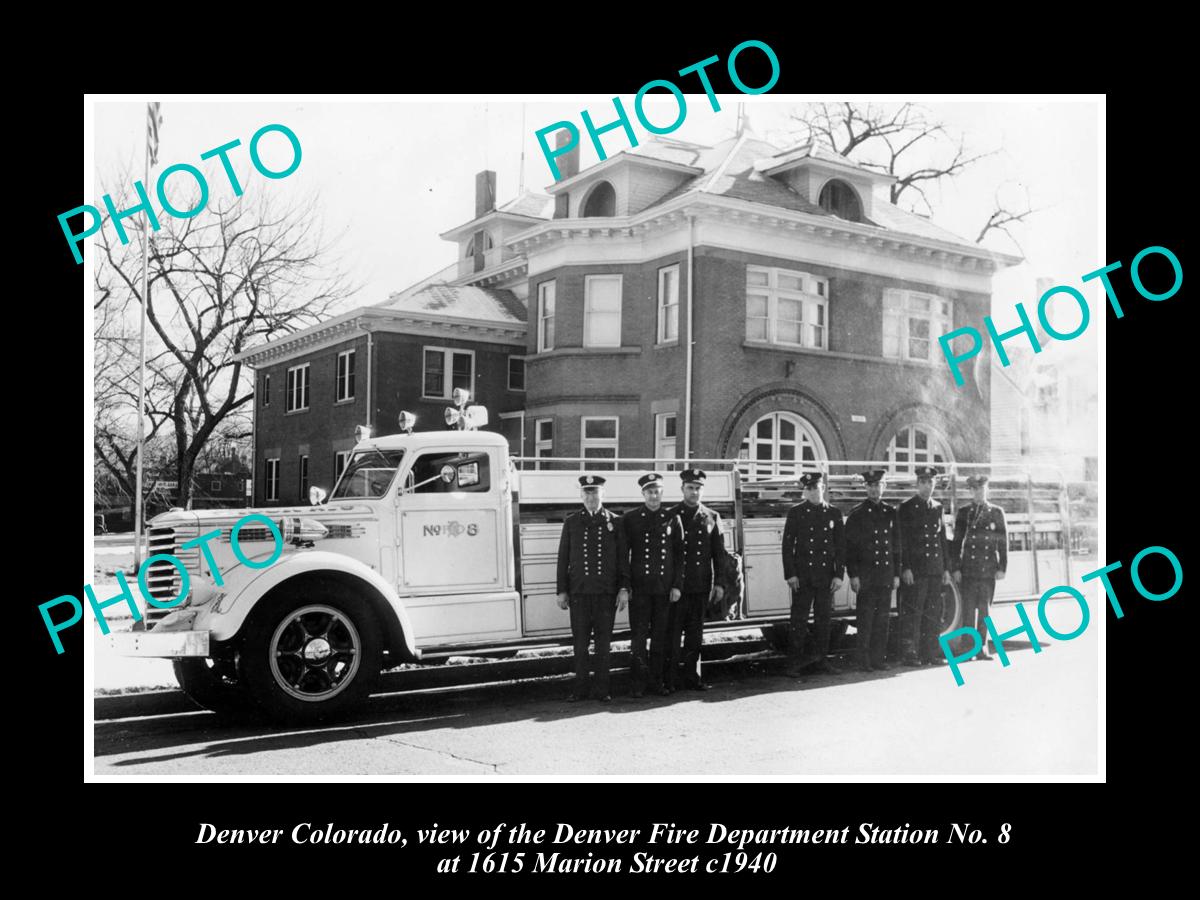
873,542
923,546
655,542
592,557
814,543
980,544
703,548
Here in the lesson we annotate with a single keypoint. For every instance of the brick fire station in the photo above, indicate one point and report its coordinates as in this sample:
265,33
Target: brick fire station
811,307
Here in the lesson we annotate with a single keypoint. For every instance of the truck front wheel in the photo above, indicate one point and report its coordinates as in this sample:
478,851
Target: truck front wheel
307,659
208,683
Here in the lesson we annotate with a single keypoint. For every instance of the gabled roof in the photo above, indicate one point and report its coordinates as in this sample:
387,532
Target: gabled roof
461,300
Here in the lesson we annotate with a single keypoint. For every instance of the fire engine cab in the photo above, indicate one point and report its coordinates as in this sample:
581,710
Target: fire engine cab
439,542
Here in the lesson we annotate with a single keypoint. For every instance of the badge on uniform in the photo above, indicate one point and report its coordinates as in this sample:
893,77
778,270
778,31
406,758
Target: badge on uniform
991,526
667,531
830,525
610,524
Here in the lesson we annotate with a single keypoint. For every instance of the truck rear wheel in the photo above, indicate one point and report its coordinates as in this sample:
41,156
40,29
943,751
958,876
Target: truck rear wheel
308,658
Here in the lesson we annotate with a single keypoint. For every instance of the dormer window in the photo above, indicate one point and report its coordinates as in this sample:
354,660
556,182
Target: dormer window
839,198
600,202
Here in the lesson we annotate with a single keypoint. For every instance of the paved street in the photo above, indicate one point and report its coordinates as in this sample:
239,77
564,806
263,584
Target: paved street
1036,716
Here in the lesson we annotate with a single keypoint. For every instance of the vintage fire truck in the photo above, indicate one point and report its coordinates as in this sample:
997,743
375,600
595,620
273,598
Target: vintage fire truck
438,543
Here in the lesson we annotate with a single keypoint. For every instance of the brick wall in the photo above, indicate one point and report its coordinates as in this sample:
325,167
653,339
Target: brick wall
326,427
735,383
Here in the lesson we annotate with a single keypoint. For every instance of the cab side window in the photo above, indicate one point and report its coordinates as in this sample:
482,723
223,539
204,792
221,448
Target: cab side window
447,473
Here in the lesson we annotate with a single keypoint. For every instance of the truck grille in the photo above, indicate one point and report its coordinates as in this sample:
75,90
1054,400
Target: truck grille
162,578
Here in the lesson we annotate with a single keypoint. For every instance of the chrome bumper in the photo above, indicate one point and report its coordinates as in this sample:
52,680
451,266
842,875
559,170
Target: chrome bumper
169,644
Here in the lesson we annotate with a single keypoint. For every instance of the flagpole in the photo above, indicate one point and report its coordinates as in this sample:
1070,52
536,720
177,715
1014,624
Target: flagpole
137,497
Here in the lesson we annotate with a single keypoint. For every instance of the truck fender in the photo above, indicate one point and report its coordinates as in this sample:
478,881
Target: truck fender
245,587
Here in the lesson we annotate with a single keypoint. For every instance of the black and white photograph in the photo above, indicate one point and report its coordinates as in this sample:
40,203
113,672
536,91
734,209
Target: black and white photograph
551,438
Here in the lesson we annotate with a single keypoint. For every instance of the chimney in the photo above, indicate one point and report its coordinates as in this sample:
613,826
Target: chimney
568,163
485,192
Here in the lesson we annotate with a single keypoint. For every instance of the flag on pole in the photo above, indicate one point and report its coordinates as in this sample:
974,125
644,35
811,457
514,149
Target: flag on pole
153,120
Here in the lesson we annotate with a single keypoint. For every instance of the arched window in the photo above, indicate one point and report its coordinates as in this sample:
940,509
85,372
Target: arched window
469,248
602,201
840,199
917,445
780,445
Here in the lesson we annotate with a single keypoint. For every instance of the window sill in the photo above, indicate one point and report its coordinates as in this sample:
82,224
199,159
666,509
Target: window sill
294,412
346,402
664,344
587,351
836,354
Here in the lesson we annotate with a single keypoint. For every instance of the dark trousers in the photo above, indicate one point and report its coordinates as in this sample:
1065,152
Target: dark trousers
648,618
686,619
817,598
977,597
921,617
874,604
592,615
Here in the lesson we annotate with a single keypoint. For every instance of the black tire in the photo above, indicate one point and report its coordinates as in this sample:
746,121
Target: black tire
311,655
203,680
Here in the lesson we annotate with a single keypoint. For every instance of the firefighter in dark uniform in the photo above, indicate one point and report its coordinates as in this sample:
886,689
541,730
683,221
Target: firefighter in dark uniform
655,541
925,569
703,562
814,559
980,554
593,579
873,564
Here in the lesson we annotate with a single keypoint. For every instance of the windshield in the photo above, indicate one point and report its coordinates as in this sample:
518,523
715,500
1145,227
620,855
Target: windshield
368,474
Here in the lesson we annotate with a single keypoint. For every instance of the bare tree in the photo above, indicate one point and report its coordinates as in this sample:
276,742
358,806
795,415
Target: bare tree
229,277
907,142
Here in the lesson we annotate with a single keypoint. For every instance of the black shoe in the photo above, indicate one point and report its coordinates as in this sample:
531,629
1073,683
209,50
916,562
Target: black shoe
794,672
827,668
575,698
637,695
881,667
864,667
605,698
699,686
912,662
983,654
938,661
664,691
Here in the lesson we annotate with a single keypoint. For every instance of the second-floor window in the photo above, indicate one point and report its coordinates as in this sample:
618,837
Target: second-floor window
267,389
297,388
516,373
668,304
345,375
446,370
912,323
545,333
271,480
787,307
602,311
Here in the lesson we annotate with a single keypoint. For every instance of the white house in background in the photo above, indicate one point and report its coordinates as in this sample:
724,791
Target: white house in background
1044,407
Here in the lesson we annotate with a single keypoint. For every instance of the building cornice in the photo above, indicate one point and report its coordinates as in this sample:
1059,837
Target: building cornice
830,230
374,319
458,232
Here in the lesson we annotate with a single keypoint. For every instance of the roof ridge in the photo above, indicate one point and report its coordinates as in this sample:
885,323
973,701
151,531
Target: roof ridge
720,170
